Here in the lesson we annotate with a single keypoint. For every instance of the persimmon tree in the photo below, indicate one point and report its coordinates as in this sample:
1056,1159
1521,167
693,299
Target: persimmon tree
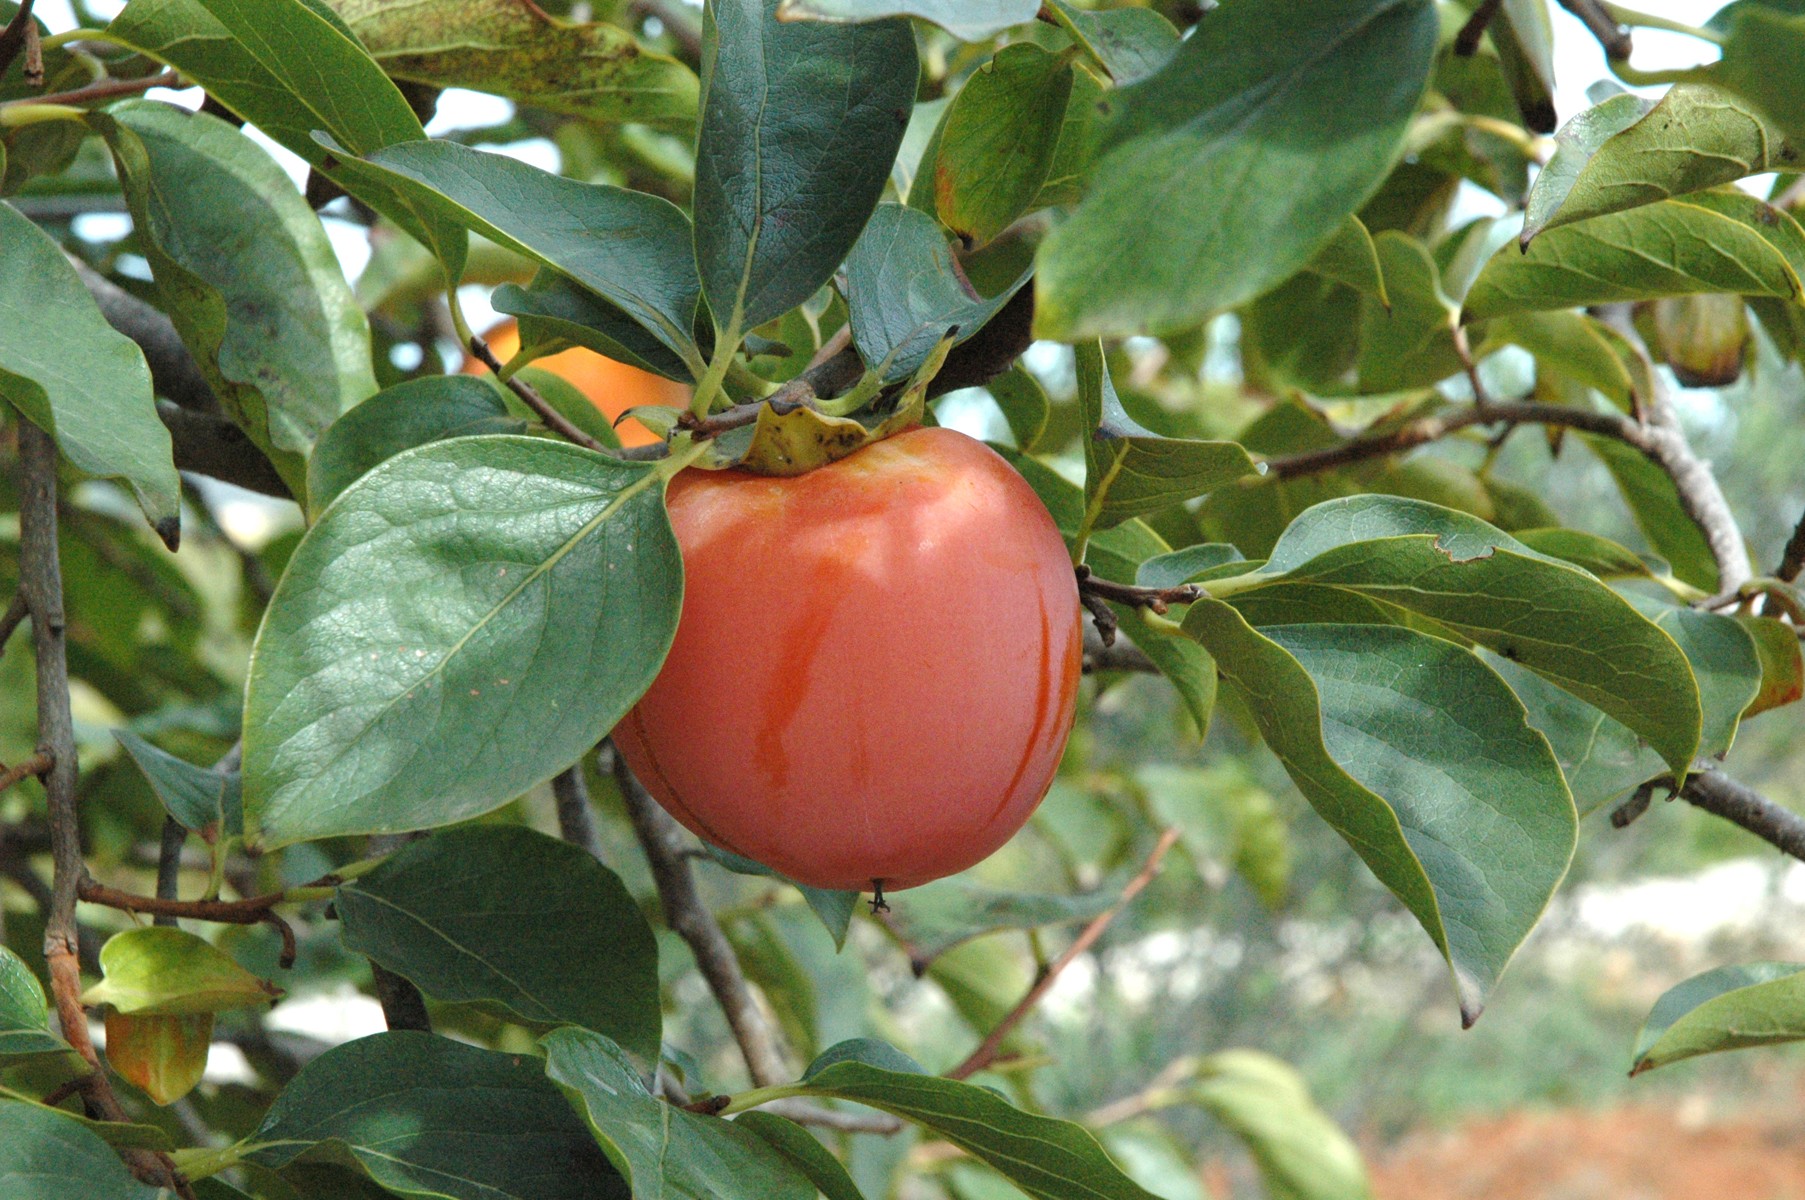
1287,277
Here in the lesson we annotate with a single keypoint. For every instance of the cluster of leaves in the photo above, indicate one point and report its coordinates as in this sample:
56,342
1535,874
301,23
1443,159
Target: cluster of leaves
1450,678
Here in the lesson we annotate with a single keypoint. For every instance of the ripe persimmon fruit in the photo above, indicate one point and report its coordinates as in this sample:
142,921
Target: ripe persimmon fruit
876,667
611,386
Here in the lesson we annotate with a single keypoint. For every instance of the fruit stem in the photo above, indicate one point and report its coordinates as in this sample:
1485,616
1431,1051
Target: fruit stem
709,386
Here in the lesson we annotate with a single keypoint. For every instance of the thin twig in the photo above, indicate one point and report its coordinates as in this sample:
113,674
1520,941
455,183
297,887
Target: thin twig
556,421
169,866
37,764
16,612
41,582
1599,23
1466,42
1741,805
1792,559
105,90
576,816
987,1050
690,919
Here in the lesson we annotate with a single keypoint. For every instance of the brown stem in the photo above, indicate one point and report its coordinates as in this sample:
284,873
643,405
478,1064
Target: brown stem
987,1050
576,816
1612,36
16,612
12,40
529,395
41,582
1466,42
1792,559
37,764
1741,805
690,920
251,911
105,90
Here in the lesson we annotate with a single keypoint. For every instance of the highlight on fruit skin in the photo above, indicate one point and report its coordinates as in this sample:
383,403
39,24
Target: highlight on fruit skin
876,667
612,386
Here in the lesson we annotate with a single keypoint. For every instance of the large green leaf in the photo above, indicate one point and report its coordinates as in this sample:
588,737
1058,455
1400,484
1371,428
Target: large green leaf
24,1019
1410,341
1671,248
247,275
1236,163
1047,1158
444,912
1301,1153
805,1153
629,247
1546,614
1350,257
998,139
1580,347
1131,471
1730,1008
1764,43
202,800
1418,755
427,1116
432,409
555,310
44,1155
462,623
75,377
800,123
972,20
1627,152
1130,43
290,67
158,970
660,1150
903,292
584,68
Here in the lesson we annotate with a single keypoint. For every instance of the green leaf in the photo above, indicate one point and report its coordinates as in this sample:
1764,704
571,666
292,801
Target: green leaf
628,247
584,68
1628,151
805,1153
903,292
835,909
1578,346
950,912
969,20
76,378
1301,1153
265,78
1230,169
1484,584
1782,664
246,272
1350,257
158,970
554,310
427,1116
1131,471
24,1018
1418,755
1206,560
1730,1008
1673,248
800,123
1763,46
661,1150
201,799
1411,343
1129,43
1046,1158
1724,663
1024,403
1524,39
44,1155
1079,136
998,139
464,596
414,413
1587,551
1305,333
1654,504
444,913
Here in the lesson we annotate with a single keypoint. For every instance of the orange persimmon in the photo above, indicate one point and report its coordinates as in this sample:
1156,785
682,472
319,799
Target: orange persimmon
876,667
611,386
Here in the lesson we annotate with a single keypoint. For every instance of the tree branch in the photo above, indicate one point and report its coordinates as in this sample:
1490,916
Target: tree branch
1792,559
1599,23
106,89
1741,805
690,919
37,764
576,816
554,420
987,1050
255,910
41,582
213,446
